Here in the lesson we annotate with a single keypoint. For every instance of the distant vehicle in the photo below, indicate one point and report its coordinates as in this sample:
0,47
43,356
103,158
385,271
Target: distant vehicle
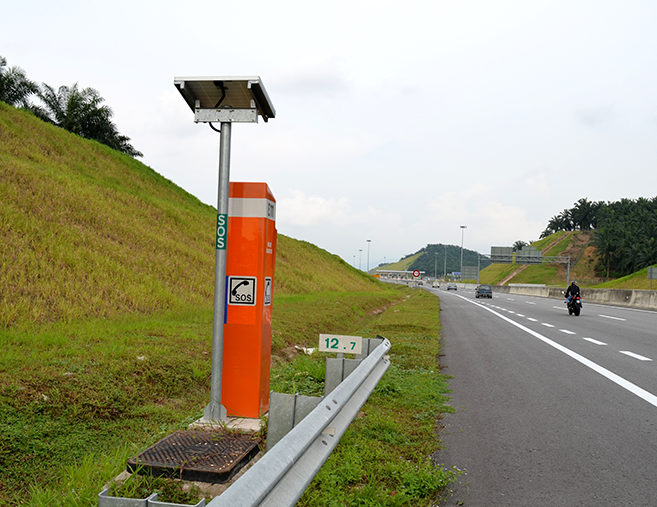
436,284
451,286
483,291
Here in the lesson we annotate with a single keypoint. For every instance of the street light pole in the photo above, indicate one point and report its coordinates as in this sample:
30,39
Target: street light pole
360,258
435,267
368,255
463,227
445,268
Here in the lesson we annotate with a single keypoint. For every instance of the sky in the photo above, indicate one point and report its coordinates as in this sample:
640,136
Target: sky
396,122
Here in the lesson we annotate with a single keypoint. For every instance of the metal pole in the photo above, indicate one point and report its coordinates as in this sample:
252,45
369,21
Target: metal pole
478,266
215,411
463,227
368,255
568,274
445,268
435,267
360,258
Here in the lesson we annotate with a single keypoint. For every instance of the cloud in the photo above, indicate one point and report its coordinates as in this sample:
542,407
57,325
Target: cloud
593,116
537,186
315,78
300,210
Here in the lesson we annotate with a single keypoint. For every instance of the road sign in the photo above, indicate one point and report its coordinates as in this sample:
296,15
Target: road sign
242,290
416,273
340,343
267,297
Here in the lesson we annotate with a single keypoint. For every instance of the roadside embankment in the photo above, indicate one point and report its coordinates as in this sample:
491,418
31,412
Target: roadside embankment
644,299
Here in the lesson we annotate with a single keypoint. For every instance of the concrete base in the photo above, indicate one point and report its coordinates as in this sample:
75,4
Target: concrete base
234,423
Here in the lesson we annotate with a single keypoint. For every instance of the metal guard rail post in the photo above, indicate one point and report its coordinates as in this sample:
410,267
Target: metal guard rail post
281,476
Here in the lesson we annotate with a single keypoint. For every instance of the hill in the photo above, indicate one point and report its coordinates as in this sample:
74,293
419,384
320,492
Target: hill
90,232
573,244
431,260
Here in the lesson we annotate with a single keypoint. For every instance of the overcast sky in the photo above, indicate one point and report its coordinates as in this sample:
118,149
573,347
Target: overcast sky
395,121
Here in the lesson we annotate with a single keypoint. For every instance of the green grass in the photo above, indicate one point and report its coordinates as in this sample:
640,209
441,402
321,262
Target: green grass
80,398
542,243
385,457
547,274
403,264
495,273
89,232
638,280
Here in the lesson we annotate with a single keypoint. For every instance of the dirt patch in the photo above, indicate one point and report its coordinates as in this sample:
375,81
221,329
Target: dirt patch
284,355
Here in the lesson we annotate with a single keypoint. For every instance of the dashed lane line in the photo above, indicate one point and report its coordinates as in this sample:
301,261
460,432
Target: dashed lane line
635,356
617,379
614,318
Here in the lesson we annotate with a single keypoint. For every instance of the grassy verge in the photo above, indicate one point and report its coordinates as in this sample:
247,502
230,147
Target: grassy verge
77,400
384,459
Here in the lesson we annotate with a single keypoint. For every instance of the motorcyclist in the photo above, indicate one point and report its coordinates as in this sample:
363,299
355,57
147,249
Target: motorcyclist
571,291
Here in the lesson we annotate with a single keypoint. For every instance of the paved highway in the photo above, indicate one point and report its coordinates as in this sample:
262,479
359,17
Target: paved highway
551,409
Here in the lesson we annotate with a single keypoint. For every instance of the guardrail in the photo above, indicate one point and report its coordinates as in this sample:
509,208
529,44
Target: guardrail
281,476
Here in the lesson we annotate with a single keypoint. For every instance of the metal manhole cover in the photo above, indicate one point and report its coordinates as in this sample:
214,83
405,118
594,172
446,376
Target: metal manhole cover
208,456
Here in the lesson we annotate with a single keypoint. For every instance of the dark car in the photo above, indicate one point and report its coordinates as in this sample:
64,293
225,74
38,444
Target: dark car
483,291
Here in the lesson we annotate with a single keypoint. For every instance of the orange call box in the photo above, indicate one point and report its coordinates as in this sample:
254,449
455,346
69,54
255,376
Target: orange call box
251,258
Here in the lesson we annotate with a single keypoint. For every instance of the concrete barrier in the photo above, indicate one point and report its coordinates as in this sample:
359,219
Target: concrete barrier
644,299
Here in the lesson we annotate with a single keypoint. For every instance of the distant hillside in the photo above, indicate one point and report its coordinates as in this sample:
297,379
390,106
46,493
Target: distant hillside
573,244
89,232
431,260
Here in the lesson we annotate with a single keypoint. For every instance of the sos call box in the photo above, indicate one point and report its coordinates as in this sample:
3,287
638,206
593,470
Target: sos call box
251,258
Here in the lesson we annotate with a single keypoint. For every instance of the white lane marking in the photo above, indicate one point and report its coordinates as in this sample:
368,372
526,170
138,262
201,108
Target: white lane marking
635,356
530,302
595,341
560,307
546,324
609,317
617,379
509,299
519,314
566,331
533,320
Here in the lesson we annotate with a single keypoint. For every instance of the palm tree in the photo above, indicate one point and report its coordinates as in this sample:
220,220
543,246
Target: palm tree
519,245
15,88
81,111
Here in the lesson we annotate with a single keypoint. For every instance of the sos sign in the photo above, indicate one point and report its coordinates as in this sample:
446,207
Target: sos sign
222,231
242,290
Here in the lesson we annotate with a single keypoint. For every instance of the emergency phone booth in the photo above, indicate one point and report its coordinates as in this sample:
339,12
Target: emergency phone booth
251,259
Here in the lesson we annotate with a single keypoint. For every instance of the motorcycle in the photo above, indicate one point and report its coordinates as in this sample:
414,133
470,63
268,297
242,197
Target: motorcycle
574,306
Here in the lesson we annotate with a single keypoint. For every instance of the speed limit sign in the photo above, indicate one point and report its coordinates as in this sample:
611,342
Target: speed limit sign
416,273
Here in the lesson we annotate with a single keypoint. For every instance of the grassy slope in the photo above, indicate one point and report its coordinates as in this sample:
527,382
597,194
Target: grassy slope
106,309
89,232
573,245
403,264
638,280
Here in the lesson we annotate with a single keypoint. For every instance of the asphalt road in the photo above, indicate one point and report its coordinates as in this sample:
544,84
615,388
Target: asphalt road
551,409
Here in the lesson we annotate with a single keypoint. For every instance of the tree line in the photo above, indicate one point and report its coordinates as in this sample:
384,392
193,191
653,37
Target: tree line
78,110
624,232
